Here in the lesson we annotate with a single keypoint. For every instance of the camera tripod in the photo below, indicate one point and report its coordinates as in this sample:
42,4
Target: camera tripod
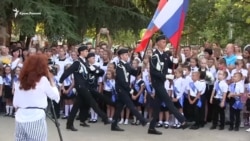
54,120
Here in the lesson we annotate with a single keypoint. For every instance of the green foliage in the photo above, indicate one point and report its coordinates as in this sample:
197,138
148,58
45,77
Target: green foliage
207,20
57,22
211,21
125,38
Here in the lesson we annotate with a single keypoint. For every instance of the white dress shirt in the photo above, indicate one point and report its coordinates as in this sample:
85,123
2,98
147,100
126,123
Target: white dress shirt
1,80
212,70
239,88
15,63
199,87
178,87
7,80
220,87
167,85
108,85
194,69
62,65
187,80
202,86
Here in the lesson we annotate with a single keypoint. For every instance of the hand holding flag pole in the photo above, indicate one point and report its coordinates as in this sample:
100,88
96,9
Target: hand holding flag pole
169,17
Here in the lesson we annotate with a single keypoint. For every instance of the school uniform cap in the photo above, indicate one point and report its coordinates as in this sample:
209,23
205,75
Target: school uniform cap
122,51
82,48
90,55
160,37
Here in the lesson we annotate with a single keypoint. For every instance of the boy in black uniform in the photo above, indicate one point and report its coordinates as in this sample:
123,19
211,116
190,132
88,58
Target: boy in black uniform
81,72
123,70
159,71
94,73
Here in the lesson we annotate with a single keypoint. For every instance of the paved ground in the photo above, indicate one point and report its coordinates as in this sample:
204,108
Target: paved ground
100,132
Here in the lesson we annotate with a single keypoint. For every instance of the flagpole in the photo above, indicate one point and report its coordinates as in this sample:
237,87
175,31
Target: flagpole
145,50
174,65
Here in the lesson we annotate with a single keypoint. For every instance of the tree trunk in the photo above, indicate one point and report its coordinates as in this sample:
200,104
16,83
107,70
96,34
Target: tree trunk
22,38
28,42
9,31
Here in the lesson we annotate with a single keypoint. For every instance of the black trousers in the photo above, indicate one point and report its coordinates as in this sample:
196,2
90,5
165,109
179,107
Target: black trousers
101,97
198,112
209,105
234,117
84,97
187,110
162,96
202,109
218,111
124,99
84,112
1,105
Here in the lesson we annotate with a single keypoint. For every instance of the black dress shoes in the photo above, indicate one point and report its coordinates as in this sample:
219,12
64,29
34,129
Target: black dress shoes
84,124
154,132
194,127
144,123
236,129
72,128
116,128
65,117
213,127
106,122
221,128
231,128
184,125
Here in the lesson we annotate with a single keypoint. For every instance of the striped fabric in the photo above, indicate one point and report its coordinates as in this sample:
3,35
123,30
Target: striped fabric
31,131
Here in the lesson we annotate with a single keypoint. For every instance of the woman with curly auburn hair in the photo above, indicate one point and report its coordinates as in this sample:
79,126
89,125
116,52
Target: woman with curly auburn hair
30,99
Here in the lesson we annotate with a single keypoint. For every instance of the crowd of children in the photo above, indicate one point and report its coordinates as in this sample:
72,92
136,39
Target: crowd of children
205,88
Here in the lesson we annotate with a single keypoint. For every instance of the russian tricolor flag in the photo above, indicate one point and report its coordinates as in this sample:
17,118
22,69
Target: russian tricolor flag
169,17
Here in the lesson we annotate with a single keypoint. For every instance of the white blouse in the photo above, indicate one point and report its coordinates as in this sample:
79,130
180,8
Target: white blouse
33,98
15,63
178,87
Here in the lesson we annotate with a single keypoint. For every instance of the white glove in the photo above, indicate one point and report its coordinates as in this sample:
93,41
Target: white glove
169,70
97,71
131,92
158,67
175,60
74,90
170,76
92,68
59,84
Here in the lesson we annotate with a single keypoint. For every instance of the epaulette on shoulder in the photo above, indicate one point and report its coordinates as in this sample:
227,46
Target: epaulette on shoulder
155,56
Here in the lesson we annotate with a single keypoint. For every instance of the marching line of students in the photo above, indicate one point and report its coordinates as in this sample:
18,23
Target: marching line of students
201,90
